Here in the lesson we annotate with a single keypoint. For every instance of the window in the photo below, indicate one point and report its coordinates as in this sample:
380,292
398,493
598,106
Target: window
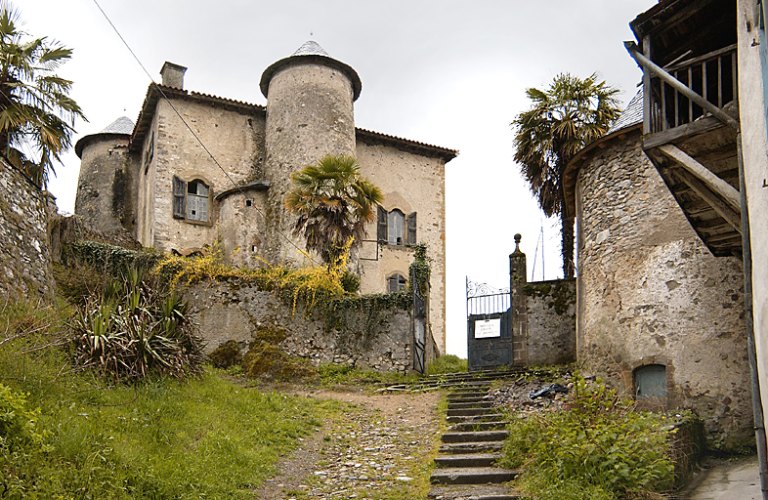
395,283
395,228
651,383
191,200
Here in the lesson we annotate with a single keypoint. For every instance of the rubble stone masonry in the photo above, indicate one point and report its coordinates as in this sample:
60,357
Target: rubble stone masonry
650,293
25,264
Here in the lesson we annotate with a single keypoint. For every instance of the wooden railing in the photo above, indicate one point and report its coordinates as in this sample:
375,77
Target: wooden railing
713,76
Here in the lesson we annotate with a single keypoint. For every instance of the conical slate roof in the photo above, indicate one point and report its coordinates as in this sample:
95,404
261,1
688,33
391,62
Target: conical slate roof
631,115
311,52
122,125
311,48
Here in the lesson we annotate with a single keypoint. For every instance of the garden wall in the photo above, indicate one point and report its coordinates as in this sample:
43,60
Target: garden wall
25,264
366,332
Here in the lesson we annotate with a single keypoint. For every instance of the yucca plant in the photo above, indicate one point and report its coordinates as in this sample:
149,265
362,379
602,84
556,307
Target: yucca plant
135,330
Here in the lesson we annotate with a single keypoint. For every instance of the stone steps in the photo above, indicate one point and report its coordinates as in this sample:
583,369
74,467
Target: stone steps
464,468
476,492
457,419
472,475
467,460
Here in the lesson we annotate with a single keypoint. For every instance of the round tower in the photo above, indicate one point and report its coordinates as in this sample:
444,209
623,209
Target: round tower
103,200
309,115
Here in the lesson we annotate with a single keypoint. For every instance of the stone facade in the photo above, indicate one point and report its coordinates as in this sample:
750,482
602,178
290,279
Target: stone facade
249,154
651,294
381,341
25,262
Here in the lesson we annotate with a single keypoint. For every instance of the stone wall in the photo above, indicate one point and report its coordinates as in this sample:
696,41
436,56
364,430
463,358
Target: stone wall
551,322
25,262
379,339
411,183
543,316
650,293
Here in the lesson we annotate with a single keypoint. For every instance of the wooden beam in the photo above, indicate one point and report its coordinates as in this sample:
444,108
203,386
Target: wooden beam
732,217
713,182
649,65
700,126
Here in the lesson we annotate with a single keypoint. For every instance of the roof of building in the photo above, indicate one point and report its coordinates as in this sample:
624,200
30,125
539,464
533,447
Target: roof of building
311,48
123,126
632,114
311,52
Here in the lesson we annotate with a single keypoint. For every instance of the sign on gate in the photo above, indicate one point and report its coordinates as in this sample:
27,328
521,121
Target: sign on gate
487,328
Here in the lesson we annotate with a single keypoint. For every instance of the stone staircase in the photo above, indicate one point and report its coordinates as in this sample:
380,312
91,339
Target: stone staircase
465,465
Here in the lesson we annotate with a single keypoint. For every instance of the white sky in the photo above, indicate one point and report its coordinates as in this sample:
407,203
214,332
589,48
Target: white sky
446,72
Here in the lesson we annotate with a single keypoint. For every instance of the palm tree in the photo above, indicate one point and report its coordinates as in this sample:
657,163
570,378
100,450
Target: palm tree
563,119
333,202
35,107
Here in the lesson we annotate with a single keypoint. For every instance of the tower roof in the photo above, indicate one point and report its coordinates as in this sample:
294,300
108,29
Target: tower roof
311,52
123,126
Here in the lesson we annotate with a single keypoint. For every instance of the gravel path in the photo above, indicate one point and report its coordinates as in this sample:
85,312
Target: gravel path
380,447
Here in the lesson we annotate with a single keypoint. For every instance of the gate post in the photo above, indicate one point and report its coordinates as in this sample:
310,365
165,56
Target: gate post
518,271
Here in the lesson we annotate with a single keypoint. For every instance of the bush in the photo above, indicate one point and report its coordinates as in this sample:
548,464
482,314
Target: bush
597,447
133,331
18,424
447,363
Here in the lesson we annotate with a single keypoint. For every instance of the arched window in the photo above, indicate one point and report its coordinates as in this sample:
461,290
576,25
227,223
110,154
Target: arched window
395,283
191,200
651,383
395,228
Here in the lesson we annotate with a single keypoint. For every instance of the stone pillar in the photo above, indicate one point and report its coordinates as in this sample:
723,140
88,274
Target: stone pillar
518,271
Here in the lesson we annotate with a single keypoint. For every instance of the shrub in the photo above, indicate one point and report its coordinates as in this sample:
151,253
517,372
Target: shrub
134,330
18,424
226,355
598,446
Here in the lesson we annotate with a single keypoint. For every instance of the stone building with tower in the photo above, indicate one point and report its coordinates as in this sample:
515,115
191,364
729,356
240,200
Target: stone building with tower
196,168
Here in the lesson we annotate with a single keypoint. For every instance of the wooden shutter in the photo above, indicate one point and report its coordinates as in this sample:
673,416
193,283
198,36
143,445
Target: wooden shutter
381,224
179,197
411,223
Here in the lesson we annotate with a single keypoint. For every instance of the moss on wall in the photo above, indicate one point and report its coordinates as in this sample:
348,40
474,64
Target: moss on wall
559,295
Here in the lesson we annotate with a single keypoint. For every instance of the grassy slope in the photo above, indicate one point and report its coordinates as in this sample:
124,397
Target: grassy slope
203,438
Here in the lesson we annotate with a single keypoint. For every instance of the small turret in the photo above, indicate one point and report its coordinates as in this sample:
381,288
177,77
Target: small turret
103,199
310,114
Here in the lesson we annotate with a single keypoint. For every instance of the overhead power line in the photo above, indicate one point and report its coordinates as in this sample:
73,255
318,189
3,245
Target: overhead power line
189,128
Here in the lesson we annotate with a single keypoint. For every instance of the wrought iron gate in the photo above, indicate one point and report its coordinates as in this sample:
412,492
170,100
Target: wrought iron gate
419,326
489,326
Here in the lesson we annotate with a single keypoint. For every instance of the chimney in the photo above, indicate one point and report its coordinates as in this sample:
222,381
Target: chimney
173,75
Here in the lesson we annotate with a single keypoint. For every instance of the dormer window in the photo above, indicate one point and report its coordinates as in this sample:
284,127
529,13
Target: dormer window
395,228
191,200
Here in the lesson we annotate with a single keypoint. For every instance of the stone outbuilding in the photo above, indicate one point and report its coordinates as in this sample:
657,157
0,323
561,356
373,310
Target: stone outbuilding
197,168
657,314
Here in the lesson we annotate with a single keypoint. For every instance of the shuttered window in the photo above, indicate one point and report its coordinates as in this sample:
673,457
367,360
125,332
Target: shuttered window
179,197
191,200
395,283
395,228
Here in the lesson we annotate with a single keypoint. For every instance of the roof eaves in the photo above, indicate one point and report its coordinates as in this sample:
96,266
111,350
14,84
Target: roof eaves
370,136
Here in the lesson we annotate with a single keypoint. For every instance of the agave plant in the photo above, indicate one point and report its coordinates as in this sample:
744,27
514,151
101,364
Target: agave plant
133,331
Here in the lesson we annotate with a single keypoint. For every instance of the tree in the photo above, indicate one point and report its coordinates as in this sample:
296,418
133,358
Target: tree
35,107
333,202
563,119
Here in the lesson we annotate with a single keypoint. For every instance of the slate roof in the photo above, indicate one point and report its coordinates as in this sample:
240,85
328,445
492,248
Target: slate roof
311,48
122,125
311,52
632,114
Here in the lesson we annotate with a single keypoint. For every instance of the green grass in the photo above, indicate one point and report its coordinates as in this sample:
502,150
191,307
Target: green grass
447,363
205,437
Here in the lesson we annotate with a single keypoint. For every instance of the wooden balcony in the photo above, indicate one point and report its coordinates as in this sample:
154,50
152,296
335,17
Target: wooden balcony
693,149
